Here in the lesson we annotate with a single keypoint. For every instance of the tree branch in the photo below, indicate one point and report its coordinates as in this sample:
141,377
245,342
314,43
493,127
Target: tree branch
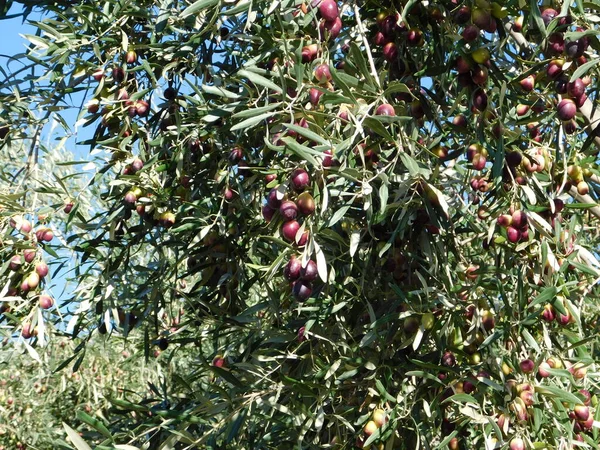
519,38
595,210
592,119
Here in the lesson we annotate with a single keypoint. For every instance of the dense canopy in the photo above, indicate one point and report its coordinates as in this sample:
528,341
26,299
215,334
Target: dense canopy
334,224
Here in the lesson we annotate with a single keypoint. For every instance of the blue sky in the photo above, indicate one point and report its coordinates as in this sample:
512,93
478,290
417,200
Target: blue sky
12,43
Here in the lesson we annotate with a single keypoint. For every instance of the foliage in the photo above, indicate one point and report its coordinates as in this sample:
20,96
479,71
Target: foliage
36,397
431,165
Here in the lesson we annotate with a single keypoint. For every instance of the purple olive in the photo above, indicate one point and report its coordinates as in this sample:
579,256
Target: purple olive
310,272
288,210
302,290
291,271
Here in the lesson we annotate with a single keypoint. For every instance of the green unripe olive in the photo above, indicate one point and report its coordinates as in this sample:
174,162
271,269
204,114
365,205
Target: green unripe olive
475,358
428,321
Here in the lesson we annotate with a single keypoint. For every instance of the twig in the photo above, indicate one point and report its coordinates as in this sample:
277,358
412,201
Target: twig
592,119
361,30
595,210
594,178
563,151
519,38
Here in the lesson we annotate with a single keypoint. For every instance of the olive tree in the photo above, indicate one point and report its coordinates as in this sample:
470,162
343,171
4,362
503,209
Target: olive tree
373,223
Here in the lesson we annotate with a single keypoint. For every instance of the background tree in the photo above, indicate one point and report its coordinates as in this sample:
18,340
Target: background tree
374,222
36,398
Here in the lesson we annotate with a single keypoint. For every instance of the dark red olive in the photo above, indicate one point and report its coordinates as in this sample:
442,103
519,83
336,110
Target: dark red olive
414,37
548,15
170,93
513,159
390,51
268,213
289,230
513,235
388,25
331,28
462,15
314,95
310,272
272,199
329,10
566,109
448,359
576,88
470,33
575,49
291,271
385,110
480,99
288,210
300,179
235,155
118,74
379,39
570,127
556,44
463,65
309,52
327,158
302,290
